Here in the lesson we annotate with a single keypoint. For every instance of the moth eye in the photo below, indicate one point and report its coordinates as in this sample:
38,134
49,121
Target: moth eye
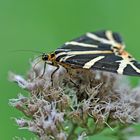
45,57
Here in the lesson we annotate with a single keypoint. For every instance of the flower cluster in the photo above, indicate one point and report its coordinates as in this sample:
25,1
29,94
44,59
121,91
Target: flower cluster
74,104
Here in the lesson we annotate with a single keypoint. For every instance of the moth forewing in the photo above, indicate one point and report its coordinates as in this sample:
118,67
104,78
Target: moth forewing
103,50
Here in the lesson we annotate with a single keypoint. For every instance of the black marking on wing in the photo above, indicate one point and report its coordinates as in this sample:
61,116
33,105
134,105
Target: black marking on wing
130,71
108,63
78,48
117,37
101,34
87,40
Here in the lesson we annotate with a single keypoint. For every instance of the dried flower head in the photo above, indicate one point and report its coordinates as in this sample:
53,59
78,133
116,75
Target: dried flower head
85,99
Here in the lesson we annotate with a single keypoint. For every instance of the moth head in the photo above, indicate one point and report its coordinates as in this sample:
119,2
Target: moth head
48,58
45,57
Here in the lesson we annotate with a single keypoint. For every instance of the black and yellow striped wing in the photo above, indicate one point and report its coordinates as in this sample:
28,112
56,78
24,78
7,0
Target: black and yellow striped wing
103,50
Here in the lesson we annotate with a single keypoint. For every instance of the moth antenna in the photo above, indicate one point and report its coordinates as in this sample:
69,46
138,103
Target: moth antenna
26,51
37,57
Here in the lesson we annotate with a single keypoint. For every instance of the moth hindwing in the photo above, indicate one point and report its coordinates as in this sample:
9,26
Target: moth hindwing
103,50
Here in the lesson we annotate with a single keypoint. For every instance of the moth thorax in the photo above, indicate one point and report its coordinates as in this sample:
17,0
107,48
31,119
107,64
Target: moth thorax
51,57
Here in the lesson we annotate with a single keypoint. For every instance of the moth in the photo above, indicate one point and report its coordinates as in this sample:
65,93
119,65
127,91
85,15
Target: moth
101,50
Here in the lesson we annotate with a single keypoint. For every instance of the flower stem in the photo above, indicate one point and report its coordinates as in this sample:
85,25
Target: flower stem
71,134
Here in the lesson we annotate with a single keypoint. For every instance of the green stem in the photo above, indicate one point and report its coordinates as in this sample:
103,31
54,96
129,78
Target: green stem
71,134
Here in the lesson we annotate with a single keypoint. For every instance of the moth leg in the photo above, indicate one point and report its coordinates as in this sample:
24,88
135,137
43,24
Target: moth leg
57,68
71,79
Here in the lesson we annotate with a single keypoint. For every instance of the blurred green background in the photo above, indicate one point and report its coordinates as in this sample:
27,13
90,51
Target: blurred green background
46,24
